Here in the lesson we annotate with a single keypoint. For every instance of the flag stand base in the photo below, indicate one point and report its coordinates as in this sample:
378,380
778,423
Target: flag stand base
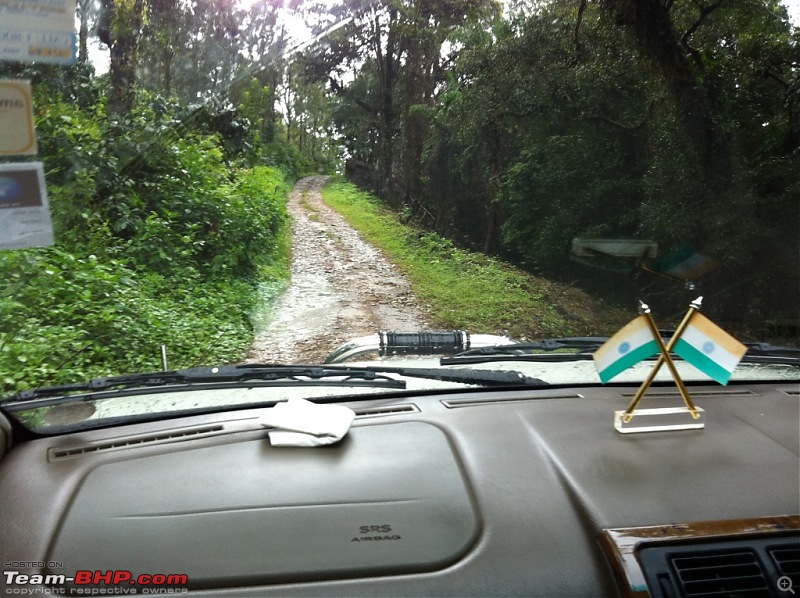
659,420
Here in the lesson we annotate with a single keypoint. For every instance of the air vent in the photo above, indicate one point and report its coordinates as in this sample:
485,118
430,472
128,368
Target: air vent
56,454
455,403
724,574
792,392
787,562
386,410
725,392
741,567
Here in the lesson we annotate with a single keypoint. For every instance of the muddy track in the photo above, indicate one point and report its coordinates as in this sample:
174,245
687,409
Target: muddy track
341,287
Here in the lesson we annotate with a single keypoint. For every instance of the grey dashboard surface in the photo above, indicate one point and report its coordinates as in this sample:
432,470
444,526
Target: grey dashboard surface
487,493
387,499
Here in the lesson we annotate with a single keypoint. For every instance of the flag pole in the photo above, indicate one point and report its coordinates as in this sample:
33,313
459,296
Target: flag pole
694,306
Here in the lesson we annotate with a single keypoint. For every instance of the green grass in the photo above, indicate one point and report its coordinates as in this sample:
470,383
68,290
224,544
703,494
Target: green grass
312,211
468,290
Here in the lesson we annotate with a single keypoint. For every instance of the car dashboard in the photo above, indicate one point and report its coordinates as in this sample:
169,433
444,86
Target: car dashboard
469,493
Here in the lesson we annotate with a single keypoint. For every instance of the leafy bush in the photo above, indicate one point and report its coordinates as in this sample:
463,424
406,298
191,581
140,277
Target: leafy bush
288,159
67,318
161,239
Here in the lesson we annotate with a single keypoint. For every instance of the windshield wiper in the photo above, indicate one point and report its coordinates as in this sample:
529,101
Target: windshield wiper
213,377
767,350
480,377
582,348
584,345
217,377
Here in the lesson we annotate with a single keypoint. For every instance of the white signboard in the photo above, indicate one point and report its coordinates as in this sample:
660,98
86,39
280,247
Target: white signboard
24,211
16,119
38,31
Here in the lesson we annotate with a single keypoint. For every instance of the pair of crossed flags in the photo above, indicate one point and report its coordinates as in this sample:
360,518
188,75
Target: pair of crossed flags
697,340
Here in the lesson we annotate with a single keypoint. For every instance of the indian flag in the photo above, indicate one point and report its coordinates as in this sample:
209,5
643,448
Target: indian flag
710,349
633,343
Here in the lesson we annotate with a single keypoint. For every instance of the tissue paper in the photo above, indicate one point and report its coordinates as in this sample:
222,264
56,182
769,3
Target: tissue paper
298,422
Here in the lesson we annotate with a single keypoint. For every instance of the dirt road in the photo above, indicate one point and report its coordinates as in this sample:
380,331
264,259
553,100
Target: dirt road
341,287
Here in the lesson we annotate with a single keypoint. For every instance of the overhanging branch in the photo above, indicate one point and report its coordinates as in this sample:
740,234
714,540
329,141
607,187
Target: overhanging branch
704,12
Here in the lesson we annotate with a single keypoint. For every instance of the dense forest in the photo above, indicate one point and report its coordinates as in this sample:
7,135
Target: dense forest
515,131
167,188
509,127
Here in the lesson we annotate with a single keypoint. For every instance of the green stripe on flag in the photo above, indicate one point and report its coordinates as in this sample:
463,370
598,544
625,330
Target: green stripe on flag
628,360
702,362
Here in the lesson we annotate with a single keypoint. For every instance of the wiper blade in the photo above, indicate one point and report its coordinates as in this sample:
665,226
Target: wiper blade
582,344
768,350
579,343
481,377
582,348
210,377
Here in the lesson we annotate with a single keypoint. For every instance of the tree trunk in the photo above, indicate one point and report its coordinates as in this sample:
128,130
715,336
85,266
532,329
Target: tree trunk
83,32
126,32
169,55
651,25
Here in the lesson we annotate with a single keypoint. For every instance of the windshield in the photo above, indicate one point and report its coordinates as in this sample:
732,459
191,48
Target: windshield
235,182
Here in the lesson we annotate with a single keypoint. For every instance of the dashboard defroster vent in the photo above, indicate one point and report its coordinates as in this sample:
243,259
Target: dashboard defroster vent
386,410
57,454
710,392
454,403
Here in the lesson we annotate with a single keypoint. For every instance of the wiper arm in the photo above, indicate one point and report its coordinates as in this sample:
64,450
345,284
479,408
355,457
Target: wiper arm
481,377
768,350
211,377
258,375
584,345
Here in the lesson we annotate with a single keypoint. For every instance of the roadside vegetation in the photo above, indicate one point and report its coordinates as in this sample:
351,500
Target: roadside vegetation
166,235
508,128
470,290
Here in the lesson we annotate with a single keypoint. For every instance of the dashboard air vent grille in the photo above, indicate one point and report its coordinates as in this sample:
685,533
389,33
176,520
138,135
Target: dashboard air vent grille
787,561
736,567
726,392
55,454
724,574
453,403
386,410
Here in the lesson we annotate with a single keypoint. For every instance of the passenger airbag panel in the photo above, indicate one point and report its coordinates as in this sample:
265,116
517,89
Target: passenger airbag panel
387,499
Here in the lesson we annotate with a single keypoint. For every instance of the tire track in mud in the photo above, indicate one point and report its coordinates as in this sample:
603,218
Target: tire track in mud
341,287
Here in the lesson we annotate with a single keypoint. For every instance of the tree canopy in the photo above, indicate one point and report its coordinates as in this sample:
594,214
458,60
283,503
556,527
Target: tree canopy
511,127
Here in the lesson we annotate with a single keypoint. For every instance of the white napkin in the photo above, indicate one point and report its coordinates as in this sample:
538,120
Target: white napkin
302,423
